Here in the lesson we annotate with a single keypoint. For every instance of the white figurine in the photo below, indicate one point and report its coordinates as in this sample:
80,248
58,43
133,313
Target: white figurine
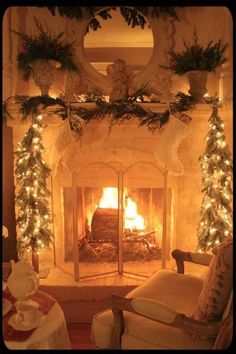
121,76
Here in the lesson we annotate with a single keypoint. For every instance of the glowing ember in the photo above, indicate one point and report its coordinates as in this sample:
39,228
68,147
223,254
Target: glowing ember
133,221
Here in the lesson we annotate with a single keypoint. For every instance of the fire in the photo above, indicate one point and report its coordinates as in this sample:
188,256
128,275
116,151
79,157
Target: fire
132,219
109,198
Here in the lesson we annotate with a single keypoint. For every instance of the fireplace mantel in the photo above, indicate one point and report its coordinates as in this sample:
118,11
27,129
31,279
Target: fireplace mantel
52,119
57,135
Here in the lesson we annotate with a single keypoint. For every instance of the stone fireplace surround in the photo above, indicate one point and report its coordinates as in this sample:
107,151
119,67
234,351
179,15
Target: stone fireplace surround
124,158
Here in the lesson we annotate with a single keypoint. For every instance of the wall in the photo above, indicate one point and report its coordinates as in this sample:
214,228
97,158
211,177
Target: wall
8,208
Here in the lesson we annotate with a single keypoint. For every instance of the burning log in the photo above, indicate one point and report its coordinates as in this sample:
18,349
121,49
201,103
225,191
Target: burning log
104,224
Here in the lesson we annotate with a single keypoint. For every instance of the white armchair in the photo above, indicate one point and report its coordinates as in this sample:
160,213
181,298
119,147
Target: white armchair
173,310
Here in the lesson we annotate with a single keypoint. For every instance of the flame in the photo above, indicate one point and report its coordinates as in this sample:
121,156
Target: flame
132,219
109,198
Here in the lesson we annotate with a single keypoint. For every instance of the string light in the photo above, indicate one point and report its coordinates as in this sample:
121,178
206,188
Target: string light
39,235
36,140
216,167
212,230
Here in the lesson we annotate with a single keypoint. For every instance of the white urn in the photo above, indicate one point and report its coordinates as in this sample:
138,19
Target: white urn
44,73
23,280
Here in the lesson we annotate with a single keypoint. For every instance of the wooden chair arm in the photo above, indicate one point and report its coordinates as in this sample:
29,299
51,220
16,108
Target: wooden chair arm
167,316
194,257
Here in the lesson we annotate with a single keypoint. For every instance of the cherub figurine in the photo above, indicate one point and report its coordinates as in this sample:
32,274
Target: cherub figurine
121,76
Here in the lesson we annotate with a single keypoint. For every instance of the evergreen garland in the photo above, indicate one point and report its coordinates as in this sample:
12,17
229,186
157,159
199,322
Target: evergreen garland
119,111
125,111
133,15
34,217
216,164
30,106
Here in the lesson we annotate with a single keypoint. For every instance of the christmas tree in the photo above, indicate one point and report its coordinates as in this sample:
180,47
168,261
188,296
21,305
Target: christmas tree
34,218
216,164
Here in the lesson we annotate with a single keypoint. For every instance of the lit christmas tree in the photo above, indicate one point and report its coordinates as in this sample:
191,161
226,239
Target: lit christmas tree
216,164
34,218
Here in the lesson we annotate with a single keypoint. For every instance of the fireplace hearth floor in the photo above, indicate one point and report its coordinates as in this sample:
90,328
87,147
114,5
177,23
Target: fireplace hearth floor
80,300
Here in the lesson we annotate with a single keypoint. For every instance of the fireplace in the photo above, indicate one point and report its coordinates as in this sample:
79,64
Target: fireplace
116,212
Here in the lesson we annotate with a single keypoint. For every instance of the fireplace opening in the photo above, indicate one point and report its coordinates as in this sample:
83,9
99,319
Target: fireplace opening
98,239
112,220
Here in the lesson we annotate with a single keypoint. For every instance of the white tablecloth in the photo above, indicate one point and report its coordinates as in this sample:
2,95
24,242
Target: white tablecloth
52,334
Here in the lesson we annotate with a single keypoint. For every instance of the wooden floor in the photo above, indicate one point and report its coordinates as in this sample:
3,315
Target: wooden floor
79,335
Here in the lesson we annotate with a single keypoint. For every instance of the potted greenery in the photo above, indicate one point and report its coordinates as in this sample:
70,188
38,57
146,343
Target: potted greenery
41,54
196,62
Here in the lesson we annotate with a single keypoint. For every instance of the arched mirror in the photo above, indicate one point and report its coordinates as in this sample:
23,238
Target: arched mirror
138,47
116,39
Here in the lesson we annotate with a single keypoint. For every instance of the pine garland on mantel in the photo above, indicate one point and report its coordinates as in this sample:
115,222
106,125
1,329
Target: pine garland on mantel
118,111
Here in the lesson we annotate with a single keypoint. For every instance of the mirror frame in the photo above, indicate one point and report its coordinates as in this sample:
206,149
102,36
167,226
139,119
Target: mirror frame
146,75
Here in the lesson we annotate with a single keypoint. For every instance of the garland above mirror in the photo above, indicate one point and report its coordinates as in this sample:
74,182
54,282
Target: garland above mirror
133,15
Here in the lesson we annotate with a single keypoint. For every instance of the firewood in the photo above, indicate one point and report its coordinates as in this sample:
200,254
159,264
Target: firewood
105,223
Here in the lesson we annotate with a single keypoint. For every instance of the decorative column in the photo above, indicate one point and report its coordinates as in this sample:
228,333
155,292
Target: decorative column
21,86
226,76
8,86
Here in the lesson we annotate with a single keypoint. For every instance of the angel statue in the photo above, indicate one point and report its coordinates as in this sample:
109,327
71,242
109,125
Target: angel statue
121,77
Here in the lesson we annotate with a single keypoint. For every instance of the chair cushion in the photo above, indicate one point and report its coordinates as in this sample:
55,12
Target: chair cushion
178,291
143,333
217,286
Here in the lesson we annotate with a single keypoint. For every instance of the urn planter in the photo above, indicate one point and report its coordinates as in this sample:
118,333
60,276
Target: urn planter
197,83
44,74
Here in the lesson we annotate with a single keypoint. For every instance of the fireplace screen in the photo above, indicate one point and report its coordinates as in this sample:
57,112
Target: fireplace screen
113,219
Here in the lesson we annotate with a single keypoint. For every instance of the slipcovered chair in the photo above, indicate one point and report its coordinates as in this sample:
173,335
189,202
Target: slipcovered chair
173,310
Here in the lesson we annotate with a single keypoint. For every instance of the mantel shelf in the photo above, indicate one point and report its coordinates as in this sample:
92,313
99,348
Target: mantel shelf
53,119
